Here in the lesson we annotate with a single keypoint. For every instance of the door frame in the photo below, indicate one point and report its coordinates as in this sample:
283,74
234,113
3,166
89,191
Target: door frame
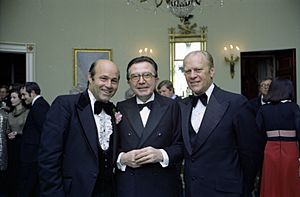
26,48
289,60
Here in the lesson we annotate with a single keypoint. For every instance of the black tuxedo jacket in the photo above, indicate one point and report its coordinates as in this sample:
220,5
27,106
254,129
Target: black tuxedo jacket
255,104
68,155
162,131
223,160
32,131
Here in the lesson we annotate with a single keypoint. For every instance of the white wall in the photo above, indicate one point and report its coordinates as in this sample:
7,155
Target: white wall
58,26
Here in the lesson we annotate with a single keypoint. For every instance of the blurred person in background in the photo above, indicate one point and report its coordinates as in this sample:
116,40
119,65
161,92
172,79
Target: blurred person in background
29,184
263,89
165,88
5,98
16,121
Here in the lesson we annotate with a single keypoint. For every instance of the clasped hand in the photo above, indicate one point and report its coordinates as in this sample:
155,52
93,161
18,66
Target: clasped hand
138,157
12,135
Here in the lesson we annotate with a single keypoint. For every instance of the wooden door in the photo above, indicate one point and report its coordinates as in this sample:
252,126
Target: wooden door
260,64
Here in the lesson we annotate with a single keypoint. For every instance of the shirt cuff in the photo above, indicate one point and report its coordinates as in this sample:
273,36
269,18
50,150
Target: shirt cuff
165,161
120,166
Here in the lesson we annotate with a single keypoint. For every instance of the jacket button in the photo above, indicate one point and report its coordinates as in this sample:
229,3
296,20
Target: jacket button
159,134
129,134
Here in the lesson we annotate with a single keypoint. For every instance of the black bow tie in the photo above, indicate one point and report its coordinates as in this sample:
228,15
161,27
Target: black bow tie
107,107
149,105
202,97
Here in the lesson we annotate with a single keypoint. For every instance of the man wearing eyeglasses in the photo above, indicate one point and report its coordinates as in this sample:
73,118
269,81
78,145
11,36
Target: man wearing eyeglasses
150,146
263,91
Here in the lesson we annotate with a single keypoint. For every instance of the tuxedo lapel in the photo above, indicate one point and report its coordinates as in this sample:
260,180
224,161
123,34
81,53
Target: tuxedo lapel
87,121
186,111
158,110
212,116
133,116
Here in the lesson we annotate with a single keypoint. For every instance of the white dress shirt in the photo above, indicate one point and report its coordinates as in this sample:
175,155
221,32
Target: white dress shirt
144,116
103,123
199,110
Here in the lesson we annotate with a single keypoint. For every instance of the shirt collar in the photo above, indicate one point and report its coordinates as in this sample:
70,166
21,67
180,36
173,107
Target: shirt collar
262,100
139,101
35,98
208,92
92,99
285,101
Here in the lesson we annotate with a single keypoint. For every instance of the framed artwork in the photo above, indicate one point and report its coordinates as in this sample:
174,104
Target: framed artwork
83,59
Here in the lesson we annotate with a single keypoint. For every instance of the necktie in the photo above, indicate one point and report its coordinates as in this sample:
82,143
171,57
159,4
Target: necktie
107,107
149,105
202,97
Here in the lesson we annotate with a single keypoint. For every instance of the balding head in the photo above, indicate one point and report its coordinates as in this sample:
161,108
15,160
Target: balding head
103,79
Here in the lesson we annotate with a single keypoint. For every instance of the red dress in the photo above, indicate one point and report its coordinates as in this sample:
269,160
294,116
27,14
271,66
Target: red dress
280,173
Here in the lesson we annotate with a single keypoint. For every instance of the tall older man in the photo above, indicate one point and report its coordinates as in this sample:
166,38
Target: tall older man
78,140
222,146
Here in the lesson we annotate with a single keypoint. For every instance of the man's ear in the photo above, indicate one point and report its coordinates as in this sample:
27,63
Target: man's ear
212,72
32,93
90,78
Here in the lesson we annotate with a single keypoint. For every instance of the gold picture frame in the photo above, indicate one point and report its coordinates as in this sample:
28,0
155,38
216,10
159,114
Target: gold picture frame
83,59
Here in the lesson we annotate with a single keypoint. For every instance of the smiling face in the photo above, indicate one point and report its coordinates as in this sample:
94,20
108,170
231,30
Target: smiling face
142,80
199,72
105,80
27,97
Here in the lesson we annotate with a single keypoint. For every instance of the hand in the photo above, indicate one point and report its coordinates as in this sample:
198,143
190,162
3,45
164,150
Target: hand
148,155
129,159
12,135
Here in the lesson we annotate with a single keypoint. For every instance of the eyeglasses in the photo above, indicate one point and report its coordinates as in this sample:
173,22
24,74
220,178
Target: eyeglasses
146,76
265,85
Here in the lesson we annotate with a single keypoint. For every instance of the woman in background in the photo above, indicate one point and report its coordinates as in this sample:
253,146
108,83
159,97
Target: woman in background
280,173
16,121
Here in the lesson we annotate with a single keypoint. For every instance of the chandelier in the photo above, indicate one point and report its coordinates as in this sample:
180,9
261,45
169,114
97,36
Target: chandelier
179,8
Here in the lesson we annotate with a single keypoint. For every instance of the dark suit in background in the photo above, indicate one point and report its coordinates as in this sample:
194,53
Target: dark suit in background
255,104
29,147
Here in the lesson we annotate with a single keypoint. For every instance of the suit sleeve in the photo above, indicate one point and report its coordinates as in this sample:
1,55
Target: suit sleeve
51,149
39,116
175,150
250,144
